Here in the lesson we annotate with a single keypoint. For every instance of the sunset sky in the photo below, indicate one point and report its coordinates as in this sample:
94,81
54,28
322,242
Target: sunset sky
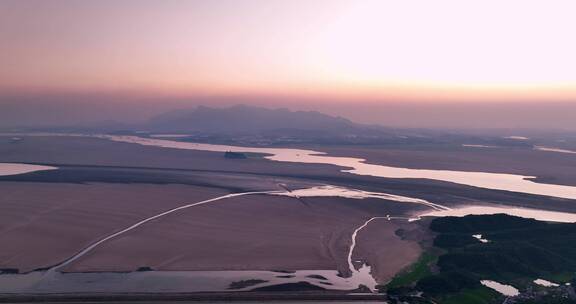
370,49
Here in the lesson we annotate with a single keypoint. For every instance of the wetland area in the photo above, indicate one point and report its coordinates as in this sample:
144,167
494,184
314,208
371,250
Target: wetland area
164,216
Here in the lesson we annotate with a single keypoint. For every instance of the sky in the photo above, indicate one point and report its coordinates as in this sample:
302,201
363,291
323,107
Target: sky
332,53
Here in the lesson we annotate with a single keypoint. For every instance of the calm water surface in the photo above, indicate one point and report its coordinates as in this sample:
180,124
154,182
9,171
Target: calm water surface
15,169
506,290
495,181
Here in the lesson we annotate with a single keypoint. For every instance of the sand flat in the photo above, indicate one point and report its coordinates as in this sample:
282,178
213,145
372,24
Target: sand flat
384,251
64,218
252,233
244,233
102,152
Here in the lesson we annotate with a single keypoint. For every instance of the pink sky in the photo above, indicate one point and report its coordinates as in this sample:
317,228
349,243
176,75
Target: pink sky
368,49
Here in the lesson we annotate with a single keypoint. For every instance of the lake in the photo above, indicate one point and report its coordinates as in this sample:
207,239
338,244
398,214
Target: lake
494,181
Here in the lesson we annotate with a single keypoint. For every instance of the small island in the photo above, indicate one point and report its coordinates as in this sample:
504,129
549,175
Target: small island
235,155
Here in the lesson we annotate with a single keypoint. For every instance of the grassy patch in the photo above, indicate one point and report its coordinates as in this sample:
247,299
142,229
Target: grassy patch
564,277
519,251
480,295
416,271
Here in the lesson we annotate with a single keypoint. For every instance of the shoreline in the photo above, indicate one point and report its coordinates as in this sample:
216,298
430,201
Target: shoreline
191,297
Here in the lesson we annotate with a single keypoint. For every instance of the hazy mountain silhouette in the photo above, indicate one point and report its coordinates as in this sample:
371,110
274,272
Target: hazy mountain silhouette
243,119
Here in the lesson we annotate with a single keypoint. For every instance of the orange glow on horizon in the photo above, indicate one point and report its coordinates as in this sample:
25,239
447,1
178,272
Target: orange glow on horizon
374,50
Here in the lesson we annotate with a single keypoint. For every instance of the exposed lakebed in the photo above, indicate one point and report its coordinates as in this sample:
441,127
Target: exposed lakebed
54,280
494,181
222,280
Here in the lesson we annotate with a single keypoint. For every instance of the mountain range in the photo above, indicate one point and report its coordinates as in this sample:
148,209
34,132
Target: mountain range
243,119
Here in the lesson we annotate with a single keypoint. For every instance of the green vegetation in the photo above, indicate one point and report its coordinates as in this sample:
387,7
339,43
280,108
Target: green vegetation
561,277
479,295
518,251
548,300
417,271
518,248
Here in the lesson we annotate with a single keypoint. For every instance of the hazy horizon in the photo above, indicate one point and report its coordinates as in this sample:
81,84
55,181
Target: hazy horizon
84,109
447,64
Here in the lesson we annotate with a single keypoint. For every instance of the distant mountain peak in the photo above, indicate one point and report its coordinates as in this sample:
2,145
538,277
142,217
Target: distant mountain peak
243,119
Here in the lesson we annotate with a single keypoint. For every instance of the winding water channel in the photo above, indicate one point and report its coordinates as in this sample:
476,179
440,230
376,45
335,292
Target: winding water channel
54,280
220,280
359,277
494,181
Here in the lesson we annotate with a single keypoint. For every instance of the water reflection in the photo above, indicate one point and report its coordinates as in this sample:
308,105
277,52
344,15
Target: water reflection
541,215
550,149
15,169
495,181
506,290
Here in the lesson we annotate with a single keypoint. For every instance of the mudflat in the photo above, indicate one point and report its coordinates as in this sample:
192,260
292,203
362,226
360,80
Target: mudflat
260,232
66,150
81,151
102,187
547,167
41,224
386,252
